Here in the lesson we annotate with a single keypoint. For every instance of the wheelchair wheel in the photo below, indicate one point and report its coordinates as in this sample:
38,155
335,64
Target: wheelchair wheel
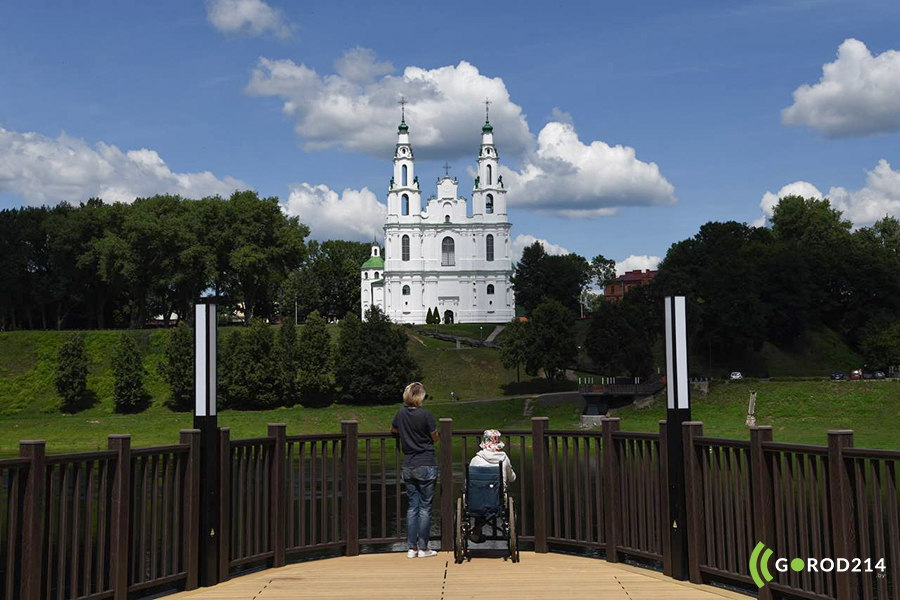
513,532
458,541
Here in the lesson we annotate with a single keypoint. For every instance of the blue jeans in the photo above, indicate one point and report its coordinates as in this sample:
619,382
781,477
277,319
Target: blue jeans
420,492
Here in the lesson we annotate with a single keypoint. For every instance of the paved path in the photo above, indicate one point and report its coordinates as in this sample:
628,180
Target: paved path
394,577
495,333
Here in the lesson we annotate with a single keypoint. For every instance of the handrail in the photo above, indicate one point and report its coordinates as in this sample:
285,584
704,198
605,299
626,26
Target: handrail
53,459
789,447
706,440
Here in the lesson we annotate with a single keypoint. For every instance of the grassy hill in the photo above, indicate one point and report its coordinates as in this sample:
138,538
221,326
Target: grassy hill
799,411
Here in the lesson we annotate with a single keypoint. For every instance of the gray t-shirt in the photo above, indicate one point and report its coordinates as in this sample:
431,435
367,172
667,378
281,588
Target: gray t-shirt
415,426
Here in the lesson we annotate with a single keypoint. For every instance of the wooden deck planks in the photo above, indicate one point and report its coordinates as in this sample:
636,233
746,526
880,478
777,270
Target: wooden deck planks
393,576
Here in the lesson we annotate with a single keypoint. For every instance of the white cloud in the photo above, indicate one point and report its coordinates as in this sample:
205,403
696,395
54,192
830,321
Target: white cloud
858,94
770,200
354,215
43,170
356,107
522,241
566,177
879,197
637,262
252,17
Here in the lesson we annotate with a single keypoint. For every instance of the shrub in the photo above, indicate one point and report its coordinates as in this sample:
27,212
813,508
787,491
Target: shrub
314,364
286,353
253,369
178,367
71,372
129,394
373,361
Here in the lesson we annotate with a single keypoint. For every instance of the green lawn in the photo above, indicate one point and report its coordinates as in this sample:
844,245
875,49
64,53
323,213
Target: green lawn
798,411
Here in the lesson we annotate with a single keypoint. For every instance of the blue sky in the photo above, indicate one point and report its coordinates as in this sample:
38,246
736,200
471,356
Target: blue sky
298,100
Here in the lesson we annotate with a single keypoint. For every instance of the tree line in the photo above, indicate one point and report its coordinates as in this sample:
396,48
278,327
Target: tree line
744,286
99,265
259,367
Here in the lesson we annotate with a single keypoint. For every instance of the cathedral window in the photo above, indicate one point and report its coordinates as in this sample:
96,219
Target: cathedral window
403,178
490,289
406,290
405,247
489,204
488,175
448,252
404,204
446,218
376,274
489,248
365,275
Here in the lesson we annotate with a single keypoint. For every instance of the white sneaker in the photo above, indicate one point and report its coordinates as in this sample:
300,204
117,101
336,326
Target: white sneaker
411,554
426,553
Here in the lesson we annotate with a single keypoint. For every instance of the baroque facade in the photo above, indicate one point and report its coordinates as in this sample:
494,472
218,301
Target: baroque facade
438,256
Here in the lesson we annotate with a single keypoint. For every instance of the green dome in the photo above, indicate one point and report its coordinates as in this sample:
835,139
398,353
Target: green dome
374,262
403,127
487,128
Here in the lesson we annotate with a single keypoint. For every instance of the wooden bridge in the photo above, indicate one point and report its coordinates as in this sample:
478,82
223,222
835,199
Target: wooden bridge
125,523
394,577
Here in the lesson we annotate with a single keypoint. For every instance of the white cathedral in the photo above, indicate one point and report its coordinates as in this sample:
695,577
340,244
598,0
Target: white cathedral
441,257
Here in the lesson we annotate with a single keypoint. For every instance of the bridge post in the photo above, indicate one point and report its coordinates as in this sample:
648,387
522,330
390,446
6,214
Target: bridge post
350,429
611,485
191,523
842,511
224,503
32,518
539,481
445,438
277,522
695,522
679,411
763,510
120,507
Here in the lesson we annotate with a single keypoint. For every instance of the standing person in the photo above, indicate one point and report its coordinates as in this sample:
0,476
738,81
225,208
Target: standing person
417,432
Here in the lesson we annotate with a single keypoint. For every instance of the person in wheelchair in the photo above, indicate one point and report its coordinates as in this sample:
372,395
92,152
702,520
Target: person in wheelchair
490,455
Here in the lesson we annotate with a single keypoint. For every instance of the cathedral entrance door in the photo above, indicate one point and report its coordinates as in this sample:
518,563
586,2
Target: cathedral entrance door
448,317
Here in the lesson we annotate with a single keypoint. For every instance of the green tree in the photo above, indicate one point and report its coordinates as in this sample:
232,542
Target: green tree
539,276
253,381
514,348
226,370
428,317
286,352
881,346
373,361
129,394
602,270
314,362
619,341
71,372
266,246
551,341
178,367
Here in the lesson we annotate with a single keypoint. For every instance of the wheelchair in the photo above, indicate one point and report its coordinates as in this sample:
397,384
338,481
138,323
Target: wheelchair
484,496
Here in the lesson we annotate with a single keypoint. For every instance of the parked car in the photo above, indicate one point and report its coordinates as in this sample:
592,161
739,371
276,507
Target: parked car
879,375
868,375
838,375
855,374
735,375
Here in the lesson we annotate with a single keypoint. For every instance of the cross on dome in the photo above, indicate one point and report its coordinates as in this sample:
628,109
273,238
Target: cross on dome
446,170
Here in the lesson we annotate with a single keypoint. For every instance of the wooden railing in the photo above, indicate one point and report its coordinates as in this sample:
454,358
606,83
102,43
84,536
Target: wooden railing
124,522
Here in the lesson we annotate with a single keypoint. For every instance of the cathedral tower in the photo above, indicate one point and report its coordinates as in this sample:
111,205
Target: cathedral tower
404,197
489,195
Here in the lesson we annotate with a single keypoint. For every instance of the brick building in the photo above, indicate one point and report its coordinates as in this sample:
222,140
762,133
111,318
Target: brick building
616,289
